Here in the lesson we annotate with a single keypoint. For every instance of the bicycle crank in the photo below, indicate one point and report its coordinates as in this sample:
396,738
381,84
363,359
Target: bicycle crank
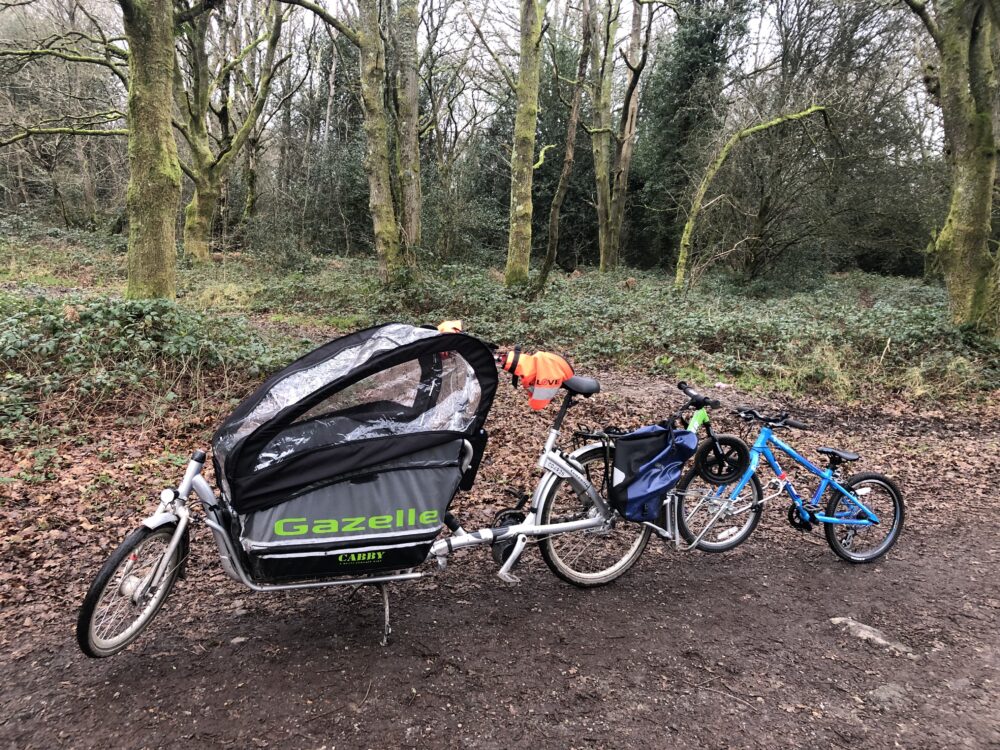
502,550
795,519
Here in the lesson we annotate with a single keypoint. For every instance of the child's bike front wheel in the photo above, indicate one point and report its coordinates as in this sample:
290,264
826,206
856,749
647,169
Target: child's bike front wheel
593,557
707,512
123,598
864,544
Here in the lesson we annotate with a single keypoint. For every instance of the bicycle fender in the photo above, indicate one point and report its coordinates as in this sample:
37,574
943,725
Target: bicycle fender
575,455
157,520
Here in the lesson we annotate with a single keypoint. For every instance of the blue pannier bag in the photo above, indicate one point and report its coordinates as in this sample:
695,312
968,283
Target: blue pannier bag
647,463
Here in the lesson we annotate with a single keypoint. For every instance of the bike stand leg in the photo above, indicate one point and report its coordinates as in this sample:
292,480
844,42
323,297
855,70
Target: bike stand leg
386,629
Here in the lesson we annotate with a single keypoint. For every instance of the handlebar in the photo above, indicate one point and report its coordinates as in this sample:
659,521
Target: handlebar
775,420
696,398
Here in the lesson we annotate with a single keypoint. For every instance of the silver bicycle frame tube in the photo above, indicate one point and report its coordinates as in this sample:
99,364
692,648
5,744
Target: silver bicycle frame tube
556,465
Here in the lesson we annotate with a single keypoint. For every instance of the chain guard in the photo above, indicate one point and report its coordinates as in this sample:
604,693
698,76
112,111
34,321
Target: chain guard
795,520
502,550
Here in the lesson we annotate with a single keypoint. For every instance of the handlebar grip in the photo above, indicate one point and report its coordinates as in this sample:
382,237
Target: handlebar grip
687,390
796,424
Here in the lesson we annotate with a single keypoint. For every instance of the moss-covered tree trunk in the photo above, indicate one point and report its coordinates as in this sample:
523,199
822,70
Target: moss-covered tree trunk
968,101
250,179
601,136
408,153
392,260
154,186
209,166
625,141
562,188
964,33
199,217
522,158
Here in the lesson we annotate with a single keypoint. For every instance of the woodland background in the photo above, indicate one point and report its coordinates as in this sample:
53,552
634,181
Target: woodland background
795,194
787,202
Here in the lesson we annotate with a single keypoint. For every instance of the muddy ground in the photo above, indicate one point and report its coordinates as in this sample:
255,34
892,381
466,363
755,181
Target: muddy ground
687,650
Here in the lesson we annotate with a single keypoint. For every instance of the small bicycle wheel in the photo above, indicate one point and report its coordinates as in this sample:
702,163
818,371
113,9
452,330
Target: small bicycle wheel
593,557
863,544
121,602
706,510
722,460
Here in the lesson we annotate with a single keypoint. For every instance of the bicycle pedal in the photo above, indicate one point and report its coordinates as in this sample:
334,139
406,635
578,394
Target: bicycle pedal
507,577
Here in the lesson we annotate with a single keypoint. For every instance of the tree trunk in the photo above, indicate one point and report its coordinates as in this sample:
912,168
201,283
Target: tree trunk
964,32
568,156
408,143
89,189
250,179
209,168
967,99
392,260
199,217
522,158
602,74
154,186
625,143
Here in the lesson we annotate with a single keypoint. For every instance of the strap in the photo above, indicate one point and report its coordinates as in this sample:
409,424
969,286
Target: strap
513,365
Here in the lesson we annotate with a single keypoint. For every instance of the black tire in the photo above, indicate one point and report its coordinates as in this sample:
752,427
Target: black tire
749,512
109,582
614,549
725,465
889,500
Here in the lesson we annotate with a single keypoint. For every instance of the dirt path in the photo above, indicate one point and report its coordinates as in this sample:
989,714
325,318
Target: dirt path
688,650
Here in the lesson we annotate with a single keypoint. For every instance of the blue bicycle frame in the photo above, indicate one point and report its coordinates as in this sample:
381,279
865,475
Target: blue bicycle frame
762,447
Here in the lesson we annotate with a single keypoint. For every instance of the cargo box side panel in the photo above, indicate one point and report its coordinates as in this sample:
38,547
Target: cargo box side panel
393,506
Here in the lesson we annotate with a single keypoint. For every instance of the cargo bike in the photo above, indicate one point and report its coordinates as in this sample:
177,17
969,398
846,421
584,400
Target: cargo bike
339,470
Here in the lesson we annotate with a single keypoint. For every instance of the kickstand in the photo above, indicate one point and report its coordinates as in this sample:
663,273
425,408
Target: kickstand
386,629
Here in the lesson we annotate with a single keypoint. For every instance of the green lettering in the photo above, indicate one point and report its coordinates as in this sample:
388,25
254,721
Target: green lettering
429,518
380,522
352,524
325,526
280,528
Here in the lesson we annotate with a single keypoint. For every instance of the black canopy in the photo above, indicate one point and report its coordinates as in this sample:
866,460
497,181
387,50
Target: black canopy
357,401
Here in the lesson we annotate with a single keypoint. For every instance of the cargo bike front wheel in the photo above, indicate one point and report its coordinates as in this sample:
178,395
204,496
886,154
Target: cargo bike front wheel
593,557
124,597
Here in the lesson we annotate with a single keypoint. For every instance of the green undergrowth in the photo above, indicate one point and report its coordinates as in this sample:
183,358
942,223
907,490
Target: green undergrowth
854,334
66,337
72,355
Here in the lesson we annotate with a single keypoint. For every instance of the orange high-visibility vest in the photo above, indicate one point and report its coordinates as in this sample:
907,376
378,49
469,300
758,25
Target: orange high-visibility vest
542,374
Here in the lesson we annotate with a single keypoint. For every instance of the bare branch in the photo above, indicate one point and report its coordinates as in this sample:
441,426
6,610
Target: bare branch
327,17
508,76
28,132
919,7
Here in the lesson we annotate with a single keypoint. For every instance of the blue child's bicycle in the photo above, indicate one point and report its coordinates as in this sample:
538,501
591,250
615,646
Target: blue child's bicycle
862,519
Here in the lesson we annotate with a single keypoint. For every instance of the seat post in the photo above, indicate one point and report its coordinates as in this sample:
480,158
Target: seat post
567,402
